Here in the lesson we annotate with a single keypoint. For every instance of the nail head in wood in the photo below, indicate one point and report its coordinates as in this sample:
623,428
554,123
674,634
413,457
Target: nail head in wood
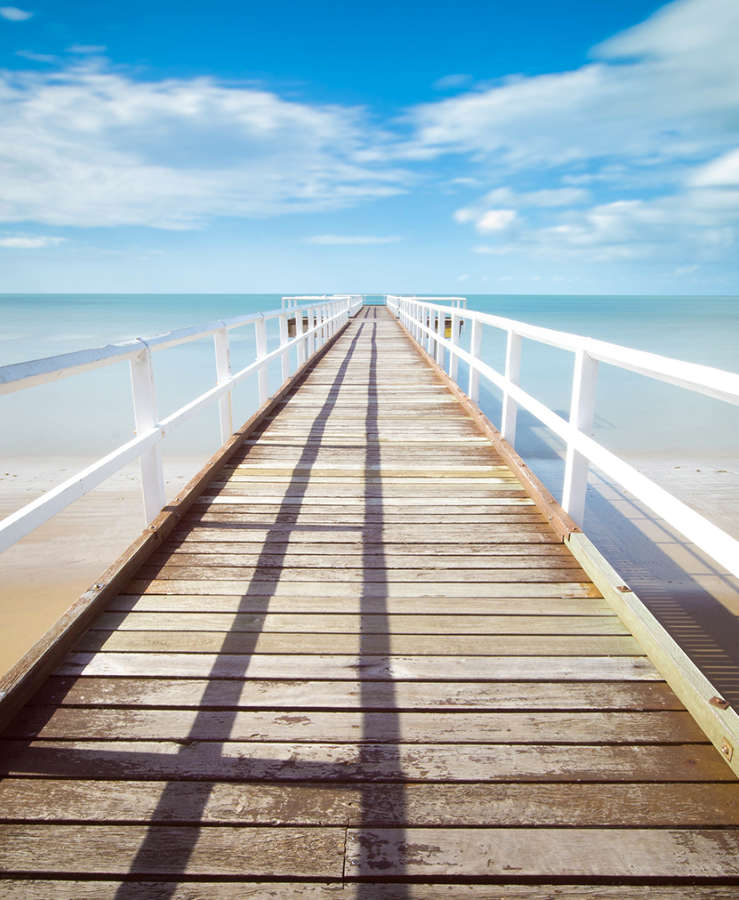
719,702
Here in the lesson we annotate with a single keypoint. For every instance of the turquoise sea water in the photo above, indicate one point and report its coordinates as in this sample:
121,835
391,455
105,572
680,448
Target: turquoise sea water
87,415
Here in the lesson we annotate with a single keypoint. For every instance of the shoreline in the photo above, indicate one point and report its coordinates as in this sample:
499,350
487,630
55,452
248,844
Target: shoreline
77,545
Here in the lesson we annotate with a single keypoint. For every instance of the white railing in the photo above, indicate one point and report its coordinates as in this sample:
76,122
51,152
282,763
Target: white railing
323,318
425,321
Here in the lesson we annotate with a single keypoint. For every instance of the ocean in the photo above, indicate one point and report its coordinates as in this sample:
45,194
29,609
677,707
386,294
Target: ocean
89,414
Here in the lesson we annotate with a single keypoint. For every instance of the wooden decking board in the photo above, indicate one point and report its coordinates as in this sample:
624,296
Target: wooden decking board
367,727
458,606
478,805
358,668
356,764
371,623
108,889
362,656
275,587
488,696
254,644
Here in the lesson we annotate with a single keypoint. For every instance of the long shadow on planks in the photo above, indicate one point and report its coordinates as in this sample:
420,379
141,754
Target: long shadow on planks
156,841
179,852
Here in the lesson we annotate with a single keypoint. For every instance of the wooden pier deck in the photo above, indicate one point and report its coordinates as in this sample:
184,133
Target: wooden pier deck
362,664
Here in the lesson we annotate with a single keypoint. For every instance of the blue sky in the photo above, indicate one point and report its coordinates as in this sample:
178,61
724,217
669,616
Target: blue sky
474,147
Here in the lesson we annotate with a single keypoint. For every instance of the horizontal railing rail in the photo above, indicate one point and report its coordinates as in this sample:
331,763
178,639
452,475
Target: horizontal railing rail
312,325
425,321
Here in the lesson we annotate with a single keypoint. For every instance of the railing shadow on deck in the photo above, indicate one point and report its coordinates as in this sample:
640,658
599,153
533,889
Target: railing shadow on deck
705,629
376,808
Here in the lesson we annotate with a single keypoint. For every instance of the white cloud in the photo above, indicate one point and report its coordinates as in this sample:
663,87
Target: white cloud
666,90
649,127
487,219
449,82
352,239
36,57
722,172
23,242
89,147
87,48
698,226
13,14
496,220
465,215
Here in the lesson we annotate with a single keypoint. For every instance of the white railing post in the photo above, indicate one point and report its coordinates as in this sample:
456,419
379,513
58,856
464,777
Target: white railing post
512,374
439,349
299,334
582,411
223,373
429,320
473,383
453,359
285,355
260,333
145,418
311,342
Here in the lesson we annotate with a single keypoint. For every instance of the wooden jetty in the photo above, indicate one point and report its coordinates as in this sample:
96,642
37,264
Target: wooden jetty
356,659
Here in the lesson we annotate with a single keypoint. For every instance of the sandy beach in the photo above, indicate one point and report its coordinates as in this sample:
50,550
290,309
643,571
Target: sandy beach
46,571
49,569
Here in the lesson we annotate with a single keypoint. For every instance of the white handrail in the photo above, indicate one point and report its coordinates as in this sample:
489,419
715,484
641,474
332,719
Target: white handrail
333,311
582,450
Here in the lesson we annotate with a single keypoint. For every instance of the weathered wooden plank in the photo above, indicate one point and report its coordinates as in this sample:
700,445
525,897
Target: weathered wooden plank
69,889
219,527
371,555
366,623
361,668
402,695
458,606
476,493
275,588
380,471
236,477
293,439
367,644
237,761
517,499
511,805
304,726
543,852
162,850
449,518
358,560
323,457
371,576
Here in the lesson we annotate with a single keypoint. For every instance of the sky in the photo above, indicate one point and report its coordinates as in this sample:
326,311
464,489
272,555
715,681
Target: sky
468,147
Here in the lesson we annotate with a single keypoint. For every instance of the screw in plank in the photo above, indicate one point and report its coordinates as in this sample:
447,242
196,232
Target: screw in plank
719,702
